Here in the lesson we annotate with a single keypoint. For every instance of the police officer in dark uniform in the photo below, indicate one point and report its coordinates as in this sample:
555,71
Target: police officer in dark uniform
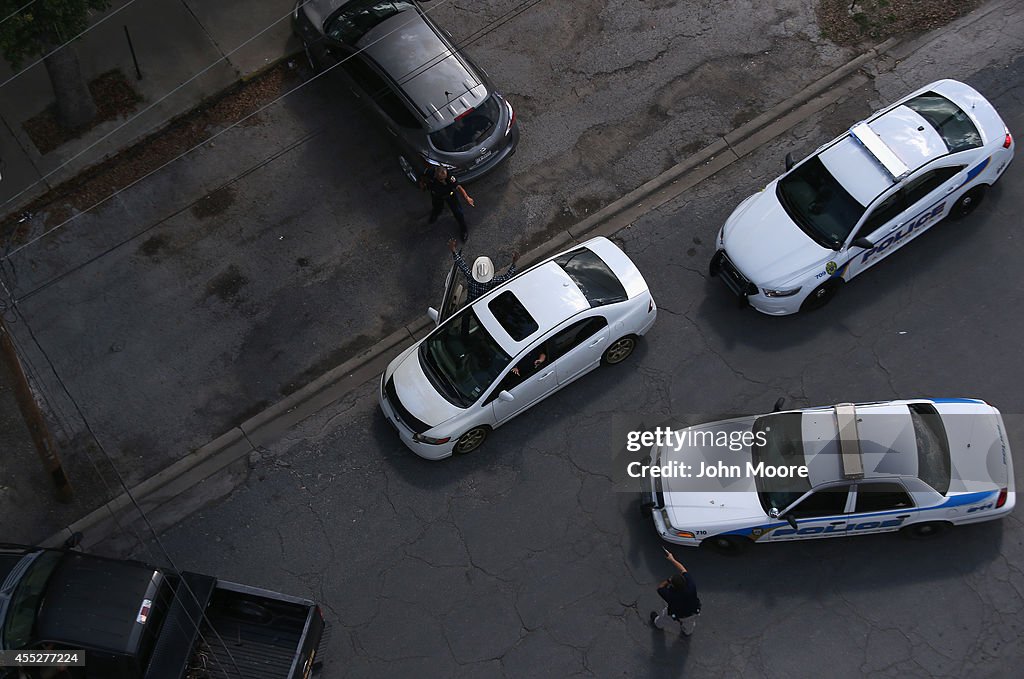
443,188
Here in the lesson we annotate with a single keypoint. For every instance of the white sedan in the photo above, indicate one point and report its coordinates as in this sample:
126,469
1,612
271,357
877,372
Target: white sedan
917,466
514,346
861,197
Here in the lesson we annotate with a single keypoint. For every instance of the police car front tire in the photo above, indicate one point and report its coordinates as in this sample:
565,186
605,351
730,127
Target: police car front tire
968,202
728,545
923,531
821,295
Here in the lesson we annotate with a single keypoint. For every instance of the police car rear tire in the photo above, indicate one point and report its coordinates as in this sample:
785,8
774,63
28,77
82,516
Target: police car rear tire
727,545
926,530
821,295
967,202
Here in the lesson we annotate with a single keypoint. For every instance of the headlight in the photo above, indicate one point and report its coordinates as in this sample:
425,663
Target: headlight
420,438
437,163
781,293
721,238
674,531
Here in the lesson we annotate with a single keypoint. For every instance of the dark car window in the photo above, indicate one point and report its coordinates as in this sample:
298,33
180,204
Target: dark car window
933,463
887,210
469,128
919,187
573,336
879,497
596,281
396,110
953,125
369,81
354,19
513,316
825,502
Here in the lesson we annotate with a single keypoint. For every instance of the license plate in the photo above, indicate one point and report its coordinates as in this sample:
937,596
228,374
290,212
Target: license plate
482,158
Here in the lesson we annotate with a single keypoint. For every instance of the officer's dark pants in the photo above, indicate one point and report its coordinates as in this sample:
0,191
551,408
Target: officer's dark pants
453,205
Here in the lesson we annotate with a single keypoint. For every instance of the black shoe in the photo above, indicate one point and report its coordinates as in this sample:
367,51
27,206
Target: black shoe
465,235
654,615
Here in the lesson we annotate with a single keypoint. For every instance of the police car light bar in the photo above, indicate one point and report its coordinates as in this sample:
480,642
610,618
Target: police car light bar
849,441
885,156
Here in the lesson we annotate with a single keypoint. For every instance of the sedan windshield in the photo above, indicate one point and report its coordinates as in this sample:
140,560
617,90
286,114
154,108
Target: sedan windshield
464,357
354,19
782,434
818,203
26,599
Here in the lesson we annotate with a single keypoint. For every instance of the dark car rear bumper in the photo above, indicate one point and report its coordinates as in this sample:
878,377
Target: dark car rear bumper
506,152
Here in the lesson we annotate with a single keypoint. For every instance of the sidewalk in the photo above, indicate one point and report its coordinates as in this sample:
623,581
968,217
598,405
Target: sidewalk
173,41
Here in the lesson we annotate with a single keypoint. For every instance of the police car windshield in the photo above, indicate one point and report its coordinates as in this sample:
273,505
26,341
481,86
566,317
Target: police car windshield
819,204
465,356
783,446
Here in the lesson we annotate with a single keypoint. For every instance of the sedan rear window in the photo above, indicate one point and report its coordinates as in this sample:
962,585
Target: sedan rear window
952,124
354,19
596,281
469,129
933,464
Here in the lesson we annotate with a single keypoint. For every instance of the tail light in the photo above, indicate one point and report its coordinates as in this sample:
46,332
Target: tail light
1008,141
1002,498
511,117
650,305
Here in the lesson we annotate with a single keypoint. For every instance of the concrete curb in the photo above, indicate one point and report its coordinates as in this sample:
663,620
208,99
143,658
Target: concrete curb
214,466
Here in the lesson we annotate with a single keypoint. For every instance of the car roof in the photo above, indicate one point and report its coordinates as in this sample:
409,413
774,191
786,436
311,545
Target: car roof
888,446
547,293
435,78
874,154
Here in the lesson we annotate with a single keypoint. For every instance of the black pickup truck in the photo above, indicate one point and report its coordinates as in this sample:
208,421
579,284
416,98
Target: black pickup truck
136,621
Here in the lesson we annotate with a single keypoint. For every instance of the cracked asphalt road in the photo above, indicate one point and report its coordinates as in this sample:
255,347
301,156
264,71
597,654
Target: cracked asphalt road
524,559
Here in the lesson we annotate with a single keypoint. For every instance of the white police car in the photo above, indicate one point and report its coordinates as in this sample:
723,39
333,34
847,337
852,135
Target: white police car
515,345
917,466
862,196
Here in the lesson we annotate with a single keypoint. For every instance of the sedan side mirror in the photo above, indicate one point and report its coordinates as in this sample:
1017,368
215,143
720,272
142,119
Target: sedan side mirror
863,242
432,313
506,396
73,540
790,162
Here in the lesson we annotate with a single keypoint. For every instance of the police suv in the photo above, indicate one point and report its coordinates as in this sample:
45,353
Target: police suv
861,197
917,466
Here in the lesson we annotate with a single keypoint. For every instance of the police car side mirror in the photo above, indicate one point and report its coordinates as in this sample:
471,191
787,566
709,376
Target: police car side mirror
432,313
790,162
778,404
863,242
506,396
791,521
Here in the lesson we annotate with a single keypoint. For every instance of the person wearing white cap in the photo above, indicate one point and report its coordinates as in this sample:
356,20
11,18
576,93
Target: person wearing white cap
480,278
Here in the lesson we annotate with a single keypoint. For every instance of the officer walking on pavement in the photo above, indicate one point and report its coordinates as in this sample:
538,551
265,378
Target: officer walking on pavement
443,188
681,602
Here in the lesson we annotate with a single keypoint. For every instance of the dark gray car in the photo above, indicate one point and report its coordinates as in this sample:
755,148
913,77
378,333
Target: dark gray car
438,106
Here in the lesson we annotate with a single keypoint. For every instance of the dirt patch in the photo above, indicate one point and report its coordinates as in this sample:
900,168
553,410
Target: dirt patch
114,96
854,23
212,204
101,181
153,246
227,284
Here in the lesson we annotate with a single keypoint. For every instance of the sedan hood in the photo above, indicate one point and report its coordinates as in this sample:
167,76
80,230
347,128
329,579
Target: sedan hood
417,395
764,243
699,497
